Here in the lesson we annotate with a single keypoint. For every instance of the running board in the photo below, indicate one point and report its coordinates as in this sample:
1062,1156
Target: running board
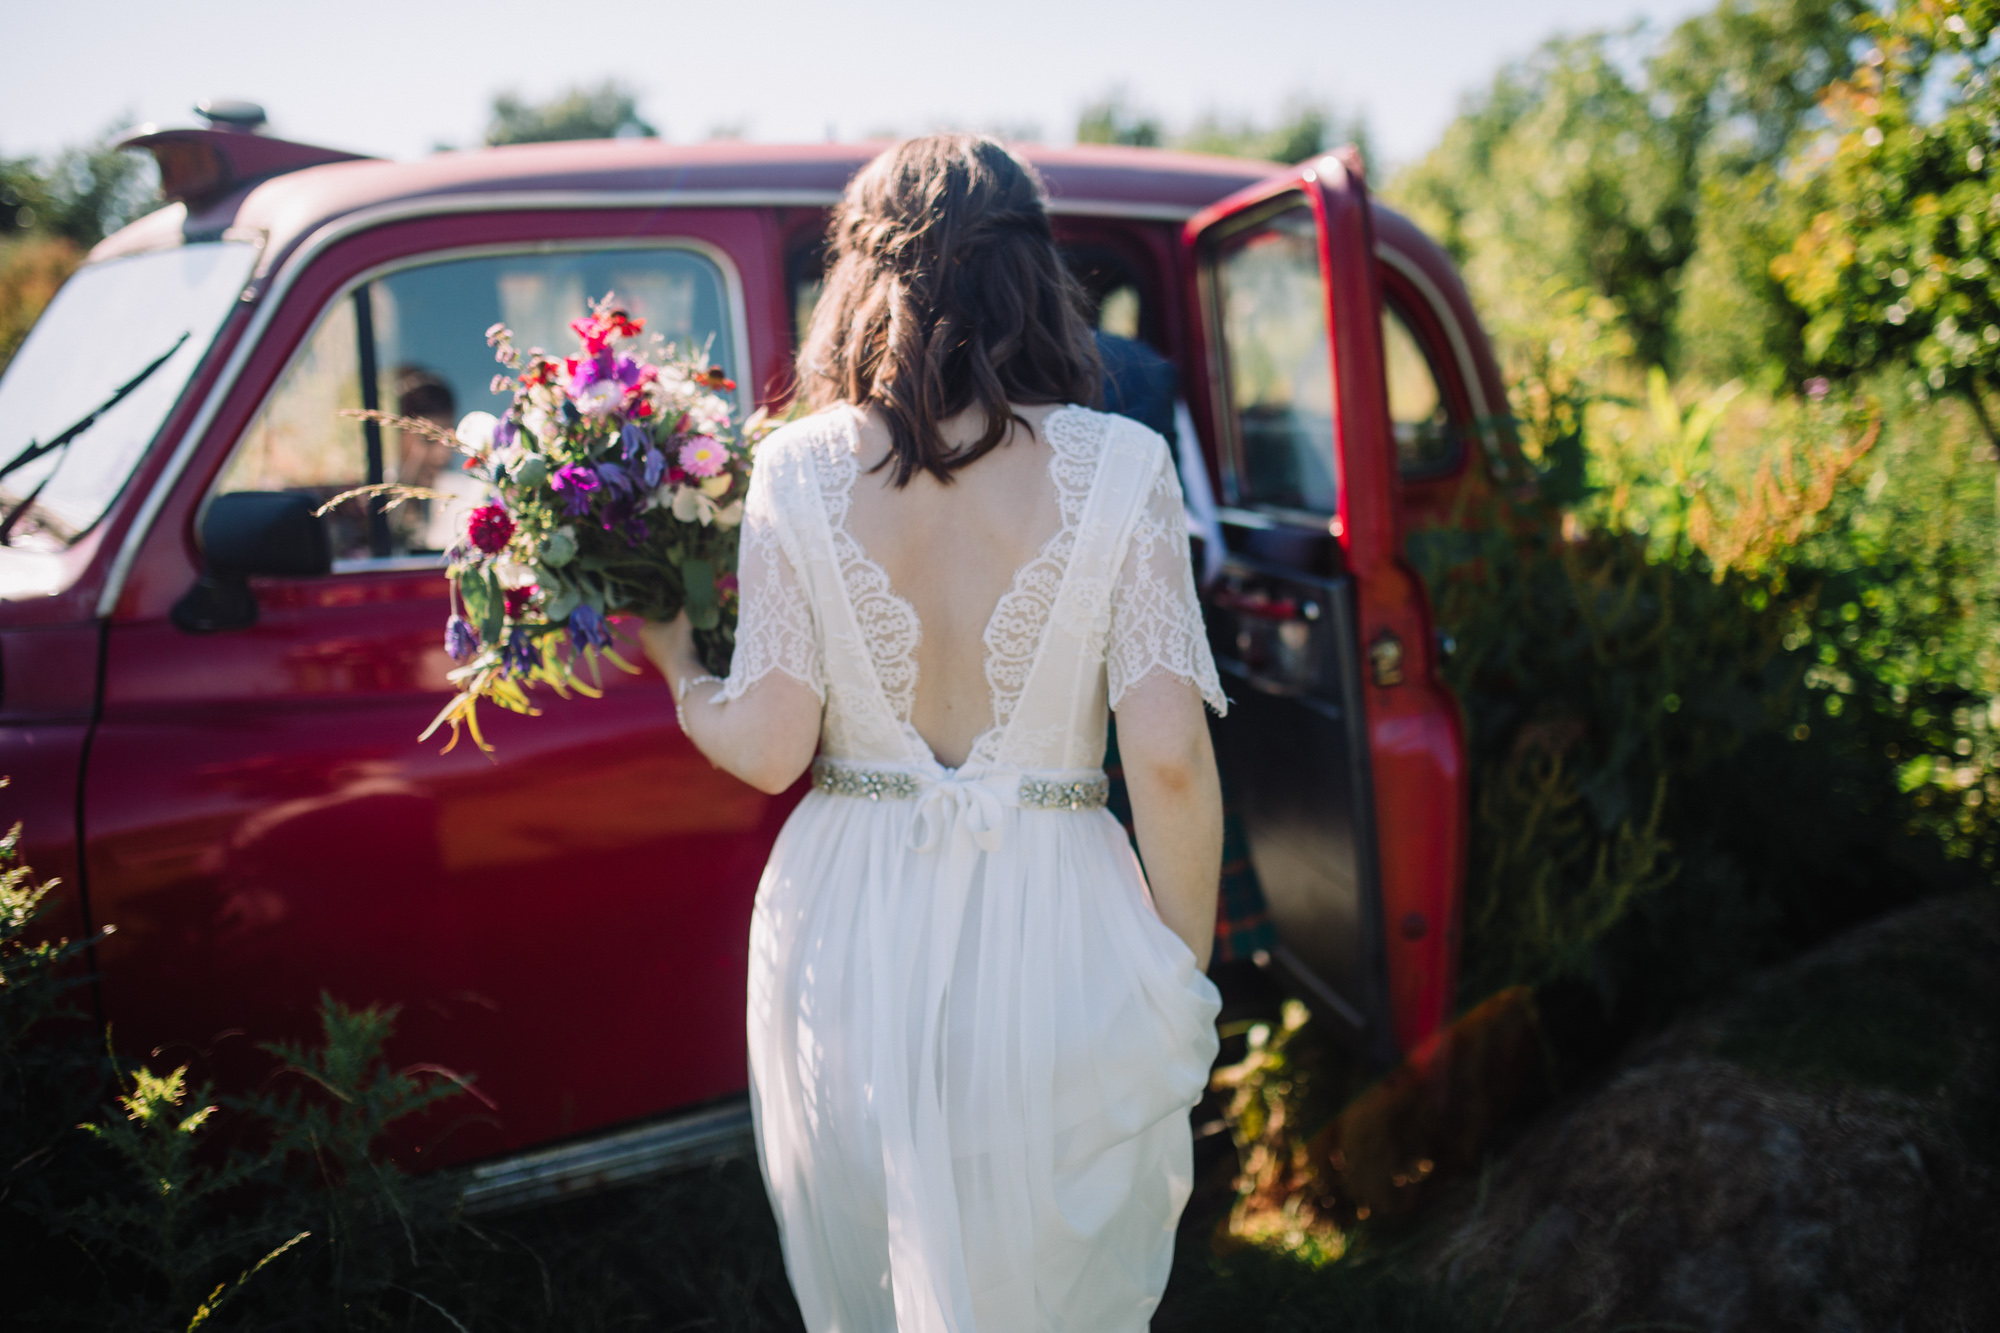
622,1157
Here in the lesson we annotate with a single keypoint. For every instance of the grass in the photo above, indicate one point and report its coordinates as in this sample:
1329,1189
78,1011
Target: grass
699,1251
1910,1010
693,1251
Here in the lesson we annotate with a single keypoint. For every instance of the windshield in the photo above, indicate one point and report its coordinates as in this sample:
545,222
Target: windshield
108,323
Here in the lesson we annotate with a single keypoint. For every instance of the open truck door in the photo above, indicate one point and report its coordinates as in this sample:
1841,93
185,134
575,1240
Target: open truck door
1346,753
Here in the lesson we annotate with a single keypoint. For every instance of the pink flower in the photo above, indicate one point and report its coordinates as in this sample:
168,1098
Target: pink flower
703,457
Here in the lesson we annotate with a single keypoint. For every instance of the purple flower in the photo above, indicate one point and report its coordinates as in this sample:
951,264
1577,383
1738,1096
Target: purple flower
1817,387
656,466
574,483
599,382
504,432
636,439
518,655
616,479
587,628
460,639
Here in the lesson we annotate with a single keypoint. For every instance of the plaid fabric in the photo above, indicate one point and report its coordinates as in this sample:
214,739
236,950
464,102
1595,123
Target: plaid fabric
1243,926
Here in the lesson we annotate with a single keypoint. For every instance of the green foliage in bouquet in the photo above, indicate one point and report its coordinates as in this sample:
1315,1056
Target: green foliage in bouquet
618,478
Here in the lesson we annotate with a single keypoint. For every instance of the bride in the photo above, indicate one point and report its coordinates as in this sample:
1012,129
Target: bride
975,1027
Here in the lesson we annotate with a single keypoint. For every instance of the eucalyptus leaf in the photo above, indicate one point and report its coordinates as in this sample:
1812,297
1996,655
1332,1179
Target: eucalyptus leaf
560,549
493,614
533,471
475,591
561,603
702,606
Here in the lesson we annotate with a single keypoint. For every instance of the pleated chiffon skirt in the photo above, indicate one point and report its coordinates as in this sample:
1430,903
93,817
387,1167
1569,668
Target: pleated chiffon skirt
973,1049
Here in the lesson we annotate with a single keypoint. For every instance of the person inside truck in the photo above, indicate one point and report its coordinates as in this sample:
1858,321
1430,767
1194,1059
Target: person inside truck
424,460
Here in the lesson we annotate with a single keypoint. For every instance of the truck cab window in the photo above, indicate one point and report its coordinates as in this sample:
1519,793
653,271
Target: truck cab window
1271,310
408,343
1426,443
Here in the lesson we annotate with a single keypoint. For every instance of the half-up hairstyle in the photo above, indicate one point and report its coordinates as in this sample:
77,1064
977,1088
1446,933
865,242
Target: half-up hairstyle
944,291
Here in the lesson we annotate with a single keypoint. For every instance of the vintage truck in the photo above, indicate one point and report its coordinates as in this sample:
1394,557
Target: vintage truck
212,733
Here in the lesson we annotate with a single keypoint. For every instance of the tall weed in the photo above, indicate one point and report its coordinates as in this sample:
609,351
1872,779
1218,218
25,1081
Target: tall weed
1729,665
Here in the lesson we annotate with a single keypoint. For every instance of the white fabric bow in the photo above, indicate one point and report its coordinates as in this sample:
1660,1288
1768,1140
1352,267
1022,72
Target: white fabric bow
951,804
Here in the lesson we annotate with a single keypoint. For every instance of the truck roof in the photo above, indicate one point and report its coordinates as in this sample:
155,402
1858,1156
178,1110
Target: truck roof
1086,179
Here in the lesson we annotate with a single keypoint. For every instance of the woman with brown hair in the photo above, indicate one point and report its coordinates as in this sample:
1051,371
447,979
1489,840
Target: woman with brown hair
974,1032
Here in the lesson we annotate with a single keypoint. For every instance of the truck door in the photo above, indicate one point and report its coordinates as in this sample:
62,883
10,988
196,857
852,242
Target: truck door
566,917
1345,750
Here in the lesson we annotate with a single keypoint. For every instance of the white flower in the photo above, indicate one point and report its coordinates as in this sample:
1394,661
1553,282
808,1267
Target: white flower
539,423
691,506
513,574
717,486
475,430
599,397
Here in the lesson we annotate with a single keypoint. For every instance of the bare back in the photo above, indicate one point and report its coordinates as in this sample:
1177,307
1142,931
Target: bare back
952,551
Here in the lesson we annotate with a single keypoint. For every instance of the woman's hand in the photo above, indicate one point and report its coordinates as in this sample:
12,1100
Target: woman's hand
669,644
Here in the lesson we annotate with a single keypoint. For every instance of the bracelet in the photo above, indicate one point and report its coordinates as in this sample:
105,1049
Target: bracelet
680,696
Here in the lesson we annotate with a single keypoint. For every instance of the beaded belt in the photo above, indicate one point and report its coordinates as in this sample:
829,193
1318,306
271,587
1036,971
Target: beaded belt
890,784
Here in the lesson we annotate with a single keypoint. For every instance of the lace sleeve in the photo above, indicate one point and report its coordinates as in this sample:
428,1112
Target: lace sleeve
774,624
1155,616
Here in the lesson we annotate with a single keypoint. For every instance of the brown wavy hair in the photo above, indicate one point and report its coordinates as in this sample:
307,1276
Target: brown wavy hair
944,291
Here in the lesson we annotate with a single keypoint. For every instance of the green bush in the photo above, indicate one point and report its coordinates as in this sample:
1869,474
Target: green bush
131,1199
1729,677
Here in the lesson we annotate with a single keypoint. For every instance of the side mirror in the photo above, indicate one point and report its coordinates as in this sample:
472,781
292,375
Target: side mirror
251,532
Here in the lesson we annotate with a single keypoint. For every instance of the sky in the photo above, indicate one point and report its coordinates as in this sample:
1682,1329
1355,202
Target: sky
399,80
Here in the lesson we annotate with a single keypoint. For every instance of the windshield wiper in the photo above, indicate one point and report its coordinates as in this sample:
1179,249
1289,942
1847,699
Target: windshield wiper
38,450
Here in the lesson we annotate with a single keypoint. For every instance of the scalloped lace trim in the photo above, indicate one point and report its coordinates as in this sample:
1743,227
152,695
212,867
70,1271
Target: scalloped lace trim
1013,633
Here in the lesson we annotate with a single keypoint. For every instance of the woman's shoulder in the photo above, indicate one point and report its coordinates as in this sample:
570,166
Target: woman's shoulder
1087,431
806,440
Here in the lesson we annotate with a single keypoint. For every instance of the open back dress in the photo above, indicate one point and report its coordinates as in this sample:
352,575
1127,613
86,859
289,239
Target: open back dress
973,1042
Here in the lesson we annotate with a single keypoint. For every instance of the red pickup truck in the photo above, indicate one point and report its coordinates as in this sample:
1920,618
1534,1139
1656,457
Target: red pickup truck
241,792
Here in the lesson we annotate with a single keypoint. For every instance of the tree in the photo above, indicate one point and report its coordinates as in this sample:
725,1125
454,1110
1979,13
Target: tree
82,195
1305,129
1611,162
608,111
1901,262
1113,119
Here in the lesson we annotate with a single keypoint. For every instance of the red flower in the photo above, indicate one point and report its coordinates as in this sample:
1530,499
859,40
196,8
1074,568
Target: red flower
518,599
490,528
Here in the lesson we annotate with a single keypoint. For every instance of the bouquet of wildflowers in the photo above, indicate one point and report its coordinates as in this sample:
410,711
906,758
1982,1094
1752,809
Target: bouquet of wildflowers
617,480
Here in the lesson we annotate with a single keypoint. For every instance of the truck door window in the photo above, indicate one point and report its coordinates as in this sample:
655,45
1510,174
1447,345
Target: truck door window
418,331
1426,443
1271,310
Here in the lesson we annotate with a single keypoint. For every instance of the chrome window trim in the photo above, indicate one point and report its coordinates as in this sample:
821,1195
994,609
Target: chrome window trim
272,297
607,1160
1461,347
1109,208
388,564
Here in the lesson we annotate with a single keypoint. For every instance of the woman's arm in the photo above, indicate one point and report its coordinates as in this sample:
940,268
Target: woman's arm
1176,803
766,737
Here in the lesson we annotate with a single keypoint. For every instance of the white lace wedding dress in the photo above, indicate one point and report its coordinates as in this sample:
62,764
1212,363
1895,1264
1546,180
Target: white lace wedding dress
973,1042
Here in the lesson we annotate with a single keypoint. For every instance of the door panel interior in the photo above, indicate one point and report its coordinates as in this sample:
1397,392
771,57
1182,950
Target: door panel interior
1296,753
